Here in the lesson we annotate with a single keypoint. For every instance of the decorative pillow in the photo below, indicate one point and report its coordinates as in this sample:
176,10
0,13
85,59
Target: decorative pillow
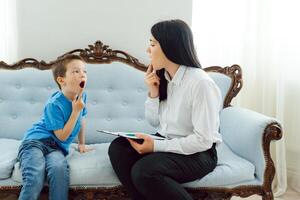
9,151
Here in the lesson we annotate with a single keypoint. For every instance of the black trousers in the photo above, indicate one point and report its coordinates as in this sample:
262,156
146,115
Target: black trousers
158,175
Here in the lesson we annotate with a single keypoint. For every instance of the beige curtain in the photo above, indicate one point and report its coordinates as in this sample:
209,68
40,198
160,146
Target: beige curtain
263,36
8,31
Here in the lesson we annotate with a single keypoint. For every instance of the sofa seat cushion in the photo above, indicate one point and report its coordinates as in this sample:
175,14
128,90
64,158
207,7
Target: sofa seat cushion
91,168
9,151
231,169
94,169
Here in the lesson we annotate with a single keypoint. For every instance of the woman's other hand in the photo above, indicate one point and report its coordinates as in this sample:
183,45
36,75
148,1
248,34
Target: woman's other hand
147,145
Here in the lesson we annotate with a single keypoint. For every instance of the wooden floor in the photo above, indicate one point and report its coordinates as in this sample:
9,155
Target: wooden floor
289,195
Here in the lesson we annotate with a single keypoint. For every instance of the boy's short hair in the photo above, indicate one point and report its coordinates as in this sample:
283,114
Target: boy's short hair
59,69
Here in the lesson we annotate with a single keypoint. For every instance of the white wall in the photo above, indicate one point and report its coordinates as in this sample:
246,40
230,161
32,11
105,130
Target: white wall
49,28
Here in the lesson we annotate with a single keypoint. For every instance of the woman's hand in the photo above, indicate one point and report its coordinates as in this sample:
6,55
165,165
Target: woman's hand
145,147
152,81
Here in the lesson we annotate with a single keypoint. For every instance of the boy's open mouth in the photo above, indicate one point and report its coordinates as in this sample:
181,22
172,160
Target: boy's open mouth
82,84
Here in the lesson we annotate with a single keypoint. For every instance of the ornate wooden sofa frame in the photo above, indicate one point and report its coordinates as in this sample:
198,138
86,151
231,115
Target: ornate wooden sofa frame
99,54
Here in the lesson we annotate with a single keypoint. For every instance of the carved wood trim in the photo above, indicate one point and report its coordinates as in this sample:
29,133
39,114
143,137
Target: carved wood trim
273,131
100,53
235,73
97,53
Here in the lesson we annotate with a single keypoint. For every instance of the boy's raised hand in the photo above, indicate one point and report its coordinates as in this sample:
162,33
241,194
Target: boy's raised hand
77,103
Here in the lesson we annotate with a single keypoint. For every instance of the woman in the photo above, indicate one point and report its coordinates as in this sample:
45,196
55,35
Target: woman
184,104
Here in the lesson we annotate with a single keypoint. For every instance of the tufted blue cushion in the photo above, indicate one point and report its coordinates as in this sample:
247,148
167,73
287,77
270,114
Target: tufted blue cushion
22,97
116,101
116,95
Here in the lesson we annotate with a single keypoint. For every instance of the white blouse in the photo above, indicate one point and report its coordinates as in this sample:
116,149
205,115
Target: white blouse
189,117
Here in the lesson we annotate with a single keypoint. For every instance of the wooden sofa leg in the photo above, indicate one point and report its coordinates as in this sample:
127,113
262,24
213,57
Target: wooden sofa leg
218,196
89,195
268,196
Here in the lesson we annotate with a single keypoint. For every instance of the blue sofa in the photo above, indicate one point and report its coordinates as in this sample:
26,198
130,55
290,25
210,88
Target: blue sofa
116,95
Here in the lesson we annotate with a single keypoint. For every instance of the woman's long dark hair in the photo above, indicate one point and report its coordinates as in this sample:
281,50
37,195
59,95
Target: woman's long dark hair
176,41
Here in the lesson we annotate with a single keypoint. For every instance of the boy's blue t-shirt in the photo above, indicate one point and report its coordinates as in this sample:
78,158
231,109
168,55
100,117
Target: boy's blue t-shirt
56,113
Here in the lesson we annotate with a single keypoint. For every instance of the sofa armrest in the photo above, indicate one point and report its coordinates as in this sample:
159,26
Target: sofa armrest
249,134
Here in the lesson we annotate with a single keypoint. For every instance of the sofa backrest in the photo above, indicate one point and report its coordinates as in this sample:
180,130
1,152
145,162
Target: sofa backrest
115,88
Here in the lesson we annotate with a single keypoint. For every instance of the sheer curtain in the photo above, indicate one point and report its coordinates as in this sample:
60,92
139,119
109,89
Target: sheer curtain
263,36
8,31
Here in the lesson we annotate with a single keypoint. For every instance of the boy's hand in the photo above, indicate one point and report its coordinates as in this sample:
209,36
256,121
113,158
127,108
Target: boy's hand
77,103
83,149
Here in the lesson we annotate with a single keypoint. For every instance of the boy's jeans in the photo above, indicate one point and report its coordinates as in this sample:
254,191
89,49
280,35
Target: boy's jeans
37,159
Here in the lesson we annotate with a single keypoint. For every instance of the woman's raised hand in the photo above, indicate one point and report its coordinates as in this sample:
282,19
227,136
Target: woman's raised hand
152,81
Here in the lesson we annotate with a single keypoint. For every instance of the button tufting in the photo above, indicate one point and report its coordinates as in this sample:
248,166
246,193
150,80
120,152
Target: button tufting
94,102
108,119
110,89
49,87
14,116
1,100
18,86
125,103
140,90
139,119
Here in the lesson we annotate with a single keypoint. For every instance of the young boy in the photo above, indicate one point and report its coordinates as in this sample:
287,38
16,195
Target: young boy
44,146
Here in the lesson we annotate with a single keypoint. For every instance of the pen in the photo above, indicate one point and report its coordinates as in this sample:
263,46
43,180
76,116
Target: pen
130,134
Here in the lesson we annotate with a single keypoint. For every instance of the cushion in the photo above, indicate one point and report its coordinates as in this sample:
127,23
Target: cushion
223,82
94,168
9,151
231,169
112,105
91,168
